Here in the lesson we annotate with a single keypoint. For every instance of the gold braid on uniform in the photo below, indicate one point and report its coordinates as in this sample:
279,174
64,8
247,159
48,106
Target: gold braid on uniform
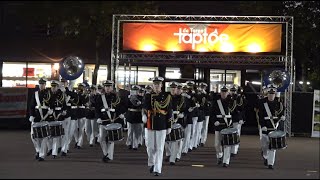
280,109
234,105
181,103
61,99
241,101
203,101
47,100
114,104
158,106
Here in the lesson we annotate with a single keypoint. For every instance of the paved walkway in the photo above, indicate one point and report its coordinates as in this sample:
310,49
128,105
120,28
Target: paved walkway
299,161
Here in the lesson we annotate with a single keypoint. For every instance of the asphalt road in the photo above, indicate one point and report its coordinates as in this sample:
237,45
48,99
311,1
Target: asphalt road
299,161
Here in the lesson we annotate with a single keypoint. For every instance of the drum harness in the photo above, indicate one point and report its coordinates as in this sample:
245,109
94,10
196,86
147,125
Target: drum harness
40,107
60,100
223,114
270,117
105,104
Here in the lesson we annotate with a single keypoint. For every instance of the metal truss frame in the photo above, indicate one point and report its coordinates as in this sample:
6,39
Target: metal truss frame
136,58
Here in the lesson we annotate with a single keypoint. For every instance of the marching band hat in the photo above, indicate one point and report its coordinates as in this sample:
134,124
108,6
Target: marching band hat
135,87
233,88
202,84
190,83
142,90
63,80
173,84
148,87
179,86
42,81
108,83
93,86
54,83
185,87
99,86
224,89
81,84
157,79
272,89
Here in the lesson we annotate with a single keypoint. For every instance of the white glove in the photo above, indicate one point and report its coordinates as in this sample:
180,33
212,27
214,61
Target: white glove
264,128
139,103
50,111
64,113
282,118
190,109
241,122
144,118
216,123
197,105
31,118
121,116
99,121
180,115
168,131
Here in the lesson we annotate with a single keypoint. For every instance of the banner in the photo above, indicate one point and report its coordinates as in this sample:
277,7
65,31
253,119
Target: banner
173,37
316,114
13,102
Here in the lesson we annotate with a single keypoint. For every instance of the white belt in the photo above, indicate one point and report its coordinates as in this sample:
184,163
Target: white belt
272,117
68,104
57,108
134,110
82,107
42,107
175,112
111,110
223,116
74,107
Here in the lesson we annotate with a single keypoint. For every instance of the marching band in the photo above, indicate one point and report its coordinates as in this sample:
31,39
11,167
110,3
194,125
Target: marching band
170,123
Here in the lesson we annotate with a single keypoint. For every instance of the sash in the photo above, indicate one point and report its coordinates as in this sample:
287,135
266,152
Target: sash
223,114
270,117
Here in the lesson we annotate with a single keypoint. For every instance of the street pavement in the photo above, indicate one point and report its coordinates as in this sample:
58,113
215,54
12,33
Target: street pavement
299,161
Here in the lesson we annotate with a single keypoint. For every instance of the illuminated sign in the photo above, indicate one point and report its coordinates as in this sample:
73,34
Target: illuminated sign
252,38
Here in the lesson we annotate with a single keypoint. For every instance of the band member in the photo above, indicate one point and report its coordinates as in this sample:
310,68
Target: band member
134,118
222,119
192,117
205,104
157,114
270,114
39,111
91,126
237,114
65,88
83,101
174,148
57,103
107,108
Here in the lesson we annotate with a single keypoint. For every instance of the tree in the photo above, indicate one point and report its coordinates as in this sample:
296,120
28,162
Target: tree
82,19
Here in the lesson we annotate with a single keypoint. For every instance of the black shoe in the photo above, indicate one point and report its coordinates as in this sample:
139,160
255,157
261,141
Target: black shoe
233,155
129,147
91,145
184,154
265,162
219,161
270,167
49,153
139,145
105,159
177,159
76,145
96,140
225,165
40,159
156,174
37,156
59,150
201,144
167,159
54,156
172,163
135,149
189,150
63,154
151,169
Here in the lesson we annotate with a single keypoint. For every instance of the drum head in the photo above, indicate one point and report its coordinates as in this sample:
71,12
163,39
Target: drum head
176,126
39,124
274,134
55,123
113,126
229,131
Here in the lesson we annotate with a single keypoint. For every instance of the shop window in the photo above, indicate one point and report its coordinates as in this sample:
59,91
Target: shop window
139,75
173,73
37,71
219,78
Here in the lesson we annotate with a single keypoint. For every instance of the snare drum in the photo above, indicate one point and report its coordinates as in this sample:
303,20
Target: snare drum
229,136
277,140
40,130
176,133
114,132
56,128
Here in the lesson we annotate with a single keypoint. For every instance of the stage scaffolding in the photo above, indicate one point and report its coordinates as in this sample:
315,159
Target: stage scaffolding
118,57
